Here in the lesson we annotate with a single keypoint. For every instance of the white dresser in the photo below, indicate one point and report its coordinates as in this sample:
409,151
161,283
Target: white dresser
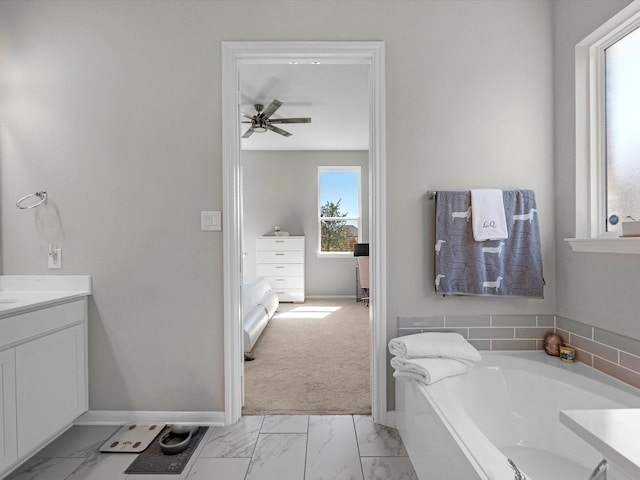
281,261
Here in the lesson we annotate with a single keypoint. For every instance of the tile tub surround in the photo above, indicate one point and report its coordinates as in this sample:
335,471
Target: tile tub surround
611,353
292,447
486,332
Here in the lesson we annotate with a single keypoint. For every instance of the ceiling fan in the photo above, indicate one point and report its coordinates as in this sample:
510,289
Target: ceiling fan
262,121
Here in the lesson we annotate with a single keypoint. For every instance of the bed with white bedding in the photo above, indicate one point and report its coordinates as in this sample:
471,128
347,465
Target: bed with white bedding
259,303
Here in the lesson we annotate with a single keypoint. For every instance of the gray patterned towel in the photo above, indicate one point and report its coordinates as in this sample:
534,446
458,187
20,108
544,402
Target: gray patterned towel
510,267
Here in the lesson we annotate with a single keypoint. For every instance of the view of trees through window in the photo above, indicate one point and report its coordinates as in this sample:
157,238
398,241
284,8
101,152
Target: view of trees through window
336,235
622,107
339,208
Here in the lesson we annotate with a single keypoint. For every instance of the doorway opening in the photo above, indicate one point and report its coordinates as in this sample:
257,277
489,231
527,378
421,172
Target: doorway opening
236,54
313,358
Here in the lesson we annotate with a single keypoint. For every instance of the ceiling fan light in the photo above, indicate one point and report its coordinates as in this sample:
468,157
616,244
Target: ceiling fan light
258,125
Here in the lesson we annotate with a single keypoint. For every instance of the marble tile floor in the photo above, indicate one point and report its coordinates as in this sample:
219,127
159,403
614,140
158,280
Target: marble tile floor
271,447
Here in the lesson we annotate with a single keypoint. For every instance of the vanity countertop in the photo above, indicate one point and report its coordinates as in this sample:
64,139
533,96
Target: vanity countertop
23,293
614,432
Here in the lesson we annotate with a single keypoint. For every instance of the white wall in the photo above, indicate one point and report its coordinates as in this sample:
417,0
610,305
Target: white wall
281,188
597,289
114,108
477,89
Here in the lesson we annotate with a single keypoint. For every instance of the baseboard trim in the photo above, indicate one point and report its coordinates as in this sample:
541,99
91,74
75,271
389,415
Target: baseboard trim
121,417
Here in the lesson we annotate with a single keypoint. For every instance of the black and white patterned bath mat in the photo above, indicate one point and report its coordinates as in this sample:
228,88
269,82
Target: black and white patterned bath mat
154,461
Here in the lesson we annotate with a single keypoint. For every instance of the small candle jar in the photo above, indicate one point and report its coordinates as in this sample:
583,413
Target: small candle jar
567,353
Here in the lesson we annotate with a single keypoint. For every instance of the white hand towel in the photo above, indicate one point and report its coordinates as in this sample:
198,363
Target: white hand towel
428,370
434,344
487,215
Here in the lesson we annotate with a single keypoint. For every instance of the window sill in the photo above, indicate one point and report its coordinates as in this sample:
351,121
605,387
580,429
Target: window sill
629,245
335,255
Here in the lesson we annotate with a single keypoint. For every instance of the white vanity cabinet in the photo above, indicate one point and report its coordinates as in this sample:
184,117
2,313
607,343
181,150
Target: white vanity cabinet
43,376
8,447
50,386
281,261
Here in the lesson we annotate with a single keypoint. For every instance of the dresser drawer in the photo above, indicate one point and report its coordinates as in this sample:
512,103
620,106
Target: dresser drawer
280,283
280,257
295,295
280,243
280,270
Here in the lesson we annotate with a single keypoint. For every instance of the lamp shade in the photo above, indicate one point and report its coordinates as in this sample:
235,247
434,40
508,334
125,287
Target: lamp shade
360,249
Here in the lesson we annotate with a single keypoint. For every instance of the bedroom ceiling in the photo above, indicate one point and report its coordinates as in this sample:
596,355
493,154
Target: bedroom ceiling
335,96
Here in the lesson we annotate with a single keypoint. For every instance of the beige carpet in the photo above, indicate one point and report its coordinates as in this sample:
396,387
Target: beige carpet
310,360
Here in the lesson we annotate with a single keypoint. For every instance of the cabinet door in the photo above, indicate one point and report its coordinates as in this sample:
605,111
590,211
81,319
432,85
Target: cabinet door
8,450
50,386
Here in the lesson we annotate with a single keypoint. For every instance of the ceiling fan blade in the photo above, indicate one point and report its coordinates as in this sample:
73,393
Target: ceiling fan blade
271,109
278,130
291,120
246,115
248,133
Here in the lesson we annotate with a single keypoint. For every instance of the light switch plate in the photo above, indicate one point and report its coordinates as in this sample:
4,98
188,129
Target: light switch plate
210,221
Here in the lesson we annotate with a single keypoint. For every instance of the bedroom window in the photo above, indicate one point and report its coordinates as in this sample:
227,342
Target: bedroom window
338,210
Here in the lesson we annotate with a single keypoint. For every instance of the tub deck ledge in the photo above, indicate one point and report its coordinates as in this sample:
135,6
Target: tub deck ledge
614,432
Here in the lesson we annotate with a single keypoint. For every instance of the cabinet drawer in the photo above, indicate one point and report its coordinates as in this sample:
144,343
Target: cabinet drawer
280,283
280,270
39,322
279,257
295,295
280,243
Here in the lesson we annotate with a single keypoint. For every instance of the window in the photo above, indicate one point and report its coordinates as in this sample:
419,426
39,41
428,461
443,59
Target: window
598,106
338,209
622,130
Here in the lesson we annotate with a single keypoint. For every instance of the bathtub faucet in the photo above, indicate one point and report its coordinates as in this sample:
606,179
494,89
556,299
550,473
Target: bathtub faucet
518,475
600,472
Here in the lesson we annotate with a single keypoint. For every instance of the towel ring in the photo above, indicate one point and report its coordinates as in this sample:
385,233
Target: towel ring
41,195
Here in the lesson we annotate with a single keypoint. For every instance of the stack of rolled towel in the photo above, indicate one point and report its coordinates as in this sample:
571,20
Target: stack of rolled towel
429,357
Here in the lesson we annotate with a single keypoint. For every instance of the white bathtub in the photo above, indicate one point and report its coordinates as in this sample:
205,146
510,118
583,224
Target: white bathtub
507,406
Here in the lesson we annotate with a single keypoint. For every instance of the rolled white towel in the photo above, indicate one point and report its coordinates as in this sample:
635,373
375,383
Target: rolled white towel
428,370
434,344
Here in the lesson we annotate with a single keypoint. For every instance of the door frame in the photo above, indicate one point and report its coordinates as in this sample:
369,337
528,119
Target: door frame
235,53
